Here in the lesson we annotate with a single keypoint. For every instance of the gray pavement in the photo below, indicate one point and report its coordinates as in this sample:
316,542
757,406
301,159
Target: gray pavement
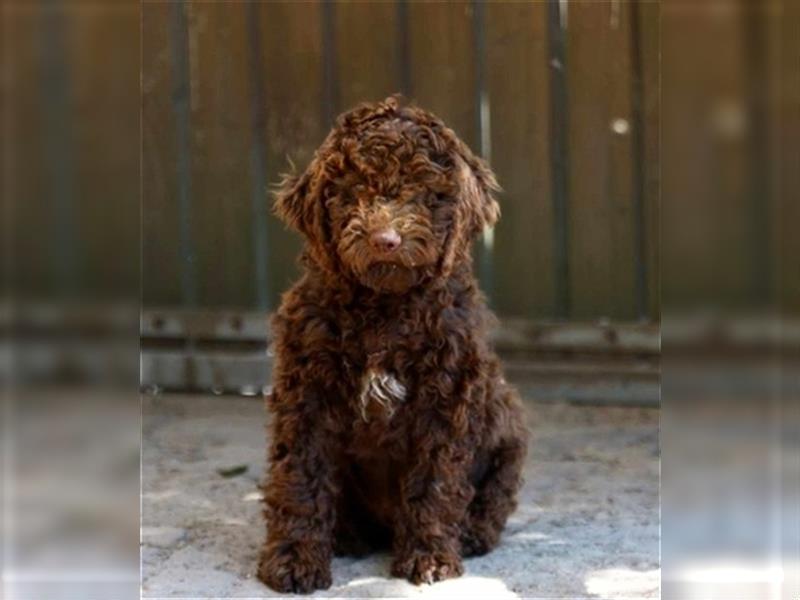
587,525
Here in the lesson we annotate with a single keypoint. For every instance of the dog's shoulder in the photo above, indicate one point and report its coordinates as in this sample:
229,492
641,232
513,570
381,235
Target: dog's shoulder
307,316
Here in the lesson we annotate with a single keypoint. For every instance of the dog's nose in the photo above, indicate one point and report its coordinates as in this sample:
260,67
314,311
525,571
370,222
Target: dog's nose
385,240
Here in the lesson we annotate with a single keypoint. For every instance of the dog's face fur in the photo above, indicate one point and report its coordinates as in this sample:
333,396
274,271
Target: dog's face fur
391,200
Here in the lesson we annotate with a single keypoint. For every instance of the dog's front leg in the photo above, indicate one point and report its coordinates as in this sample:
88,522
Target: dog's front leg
299,495
435,493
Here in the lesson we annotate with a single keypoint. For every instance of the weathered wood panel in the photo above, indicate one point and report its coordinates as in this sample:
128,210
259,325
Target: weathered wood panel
367,52
161,261
518,89
788,145
220,151
291,42
105,150
649,40
601,216
30,167
265,80
253,85
708,208
443,64
72,150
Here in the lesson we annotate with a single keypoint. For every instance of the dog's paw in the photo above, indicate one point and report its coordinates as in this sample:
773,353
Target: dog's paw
294,570
427,567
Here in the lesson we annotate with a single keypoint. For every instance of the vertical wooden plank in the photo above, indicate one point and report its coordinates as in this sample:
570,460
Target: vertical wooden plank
740,253
788,119
601,219
705,157
403,48
366,47
182,107
104,59
559,152
7,162
221,129
771,17
291,42
330,63
443,64
756,92
518,89
650,47
161,263
31,267
638,157
258,181
74,131
59,153
685,188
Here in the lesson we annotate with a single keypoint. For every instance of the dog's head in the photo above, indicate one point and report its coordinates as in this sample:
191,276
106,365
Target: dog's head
392,198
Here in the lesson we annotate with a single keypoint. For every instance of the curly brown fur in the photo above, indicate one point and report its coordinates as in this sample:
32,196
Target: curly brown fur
391,420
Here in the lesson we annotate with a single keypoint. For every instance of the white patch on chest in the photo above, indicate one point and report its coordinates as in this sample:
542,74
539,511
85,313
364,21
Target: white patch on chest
381,388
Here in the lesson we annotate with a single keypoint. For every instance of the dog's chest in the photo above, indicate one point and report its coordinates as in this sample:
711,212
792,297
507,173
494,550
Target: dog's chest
381,394
380,358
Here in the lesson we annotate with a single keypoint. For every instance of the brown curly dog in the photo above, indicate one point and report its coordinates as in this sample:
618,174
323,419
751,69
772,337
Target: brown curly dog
391,421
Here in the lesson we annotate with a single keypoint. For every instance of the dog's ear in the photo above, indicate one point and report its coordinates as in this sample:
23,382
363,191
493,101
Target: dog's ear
299,203
477,209
478,186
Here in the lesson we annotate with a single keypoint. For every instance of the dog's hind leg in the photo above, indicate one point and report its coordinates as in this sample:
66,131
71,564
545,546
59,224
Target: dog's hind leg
495,497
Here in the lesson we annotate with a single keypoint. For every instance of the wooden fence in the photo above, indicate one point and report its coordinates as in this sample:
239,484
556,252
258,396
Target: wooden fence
561,98
564,98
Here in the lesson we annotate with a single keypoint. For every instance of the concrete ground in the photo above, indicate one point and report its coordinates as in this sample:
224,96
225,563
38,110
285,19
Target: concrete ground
587,525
